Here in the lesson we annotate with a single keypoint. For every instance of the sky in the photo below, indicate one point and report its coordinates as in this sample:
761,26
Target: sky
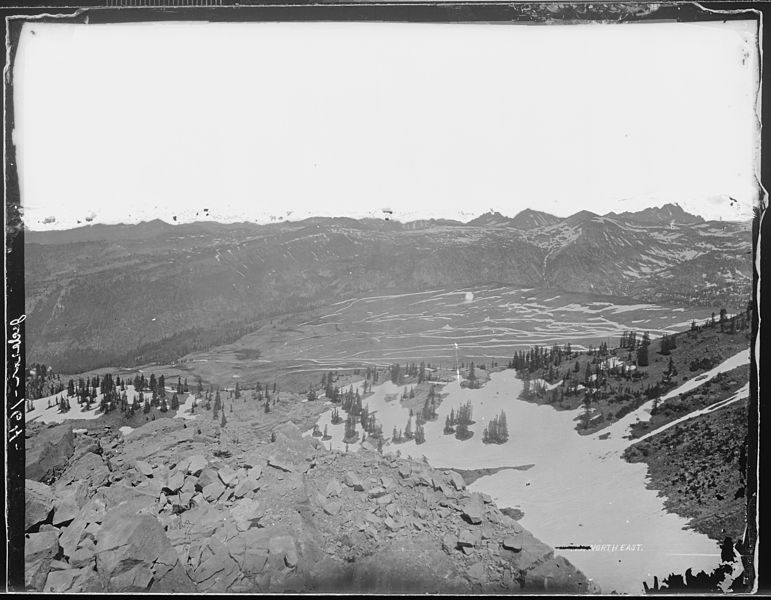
264,121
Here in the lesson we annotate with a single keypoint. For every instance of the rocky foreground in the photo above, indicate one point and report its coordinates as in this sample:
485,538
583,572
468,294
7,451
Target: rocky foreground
166,509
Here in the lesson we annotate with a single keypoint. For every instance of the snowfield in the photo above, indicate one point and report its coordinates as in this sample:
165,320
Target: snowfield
569,493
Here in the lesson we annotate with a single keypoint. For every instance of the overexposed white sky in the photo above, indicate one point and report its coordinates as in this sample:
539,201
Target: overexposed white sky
131,122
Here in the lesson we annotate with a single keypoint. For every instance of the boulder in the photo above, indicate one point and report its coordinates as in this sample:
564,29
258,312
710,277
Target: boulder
190,485
134,579
213,491
200,523
169,574
352,480
89,468
206,477
291,451
513,543
84,444
71,535
384,500
143,468
456,480
282,552
48,451
466,538
68,502
227,476
175,481
473,510
40,549
83,556
196,464
218,571
332,508
72,580
377,492
250,550
38,503
128,546
247,512
449,543
423,478
245,486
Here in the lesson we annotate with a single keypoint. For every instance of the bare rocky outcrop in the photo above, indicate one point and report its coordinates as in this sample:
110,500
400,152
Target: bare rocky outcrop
281,516
48,450
38,503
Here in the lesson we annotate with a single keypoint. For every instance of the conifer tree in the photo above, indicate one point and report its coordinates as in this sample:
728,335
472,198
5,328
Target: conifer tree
642,356
420,434
350,429
448,428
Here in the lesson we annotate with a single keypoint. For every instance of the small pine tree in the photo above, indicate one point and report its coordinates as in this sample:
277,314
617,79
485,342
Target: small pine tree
420,434
448,428
408,430
642,356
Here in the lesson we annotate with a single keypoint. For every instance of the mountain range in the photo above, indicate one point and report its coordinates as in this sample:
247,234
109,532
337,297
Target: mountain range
126,294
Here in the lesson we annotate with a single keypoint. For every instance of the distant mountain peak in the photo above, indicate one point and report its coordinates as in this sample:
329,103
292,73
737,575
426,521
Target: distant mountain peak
491,218
530,219
581,216
665,214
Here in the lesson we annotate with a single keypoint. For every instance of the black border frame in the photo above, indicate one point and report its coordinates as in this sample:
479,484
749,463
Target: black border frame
104,11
